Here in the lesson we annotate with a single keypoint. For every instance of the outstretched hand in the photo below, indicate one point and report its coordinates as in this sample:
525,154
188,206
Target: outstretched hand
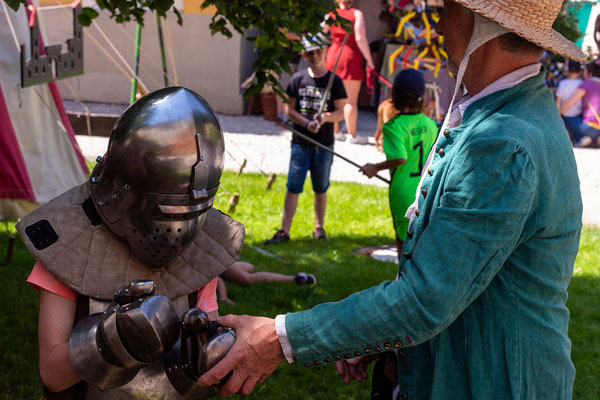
254,356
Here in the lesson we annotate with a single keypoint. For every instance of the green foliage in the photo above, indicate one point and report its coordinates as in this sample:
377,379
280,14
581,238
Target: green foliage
357,216
566,22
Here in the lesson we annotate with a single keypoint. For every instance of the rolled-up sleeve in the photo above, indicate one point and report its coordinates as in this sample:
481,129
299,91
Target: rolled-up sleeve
475,223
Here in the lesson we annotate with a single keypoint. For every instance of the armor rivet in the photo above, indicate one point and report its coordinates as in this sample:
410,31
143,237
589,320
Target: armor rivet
116,196
126,290
101,203
127,186
94,179
99,159
114,310
104,312
169,369
99,348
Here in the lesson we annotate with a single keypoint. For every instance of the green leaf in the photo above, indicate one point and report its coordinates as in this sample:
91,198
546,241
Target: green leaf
179,19
83,19
90,12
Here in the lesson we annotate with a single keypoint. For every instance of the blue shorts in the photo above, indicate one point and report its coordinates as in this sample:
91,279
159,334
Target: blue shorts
306,158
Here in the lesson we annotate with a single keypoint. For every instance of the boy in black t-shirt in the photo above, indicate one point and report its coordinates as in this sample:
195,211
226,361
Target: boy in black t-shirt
305,94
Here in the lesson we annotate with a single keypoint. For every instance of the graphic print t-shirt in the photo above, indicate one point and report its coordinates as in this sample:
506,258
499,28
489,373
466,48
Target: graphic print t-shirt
308,92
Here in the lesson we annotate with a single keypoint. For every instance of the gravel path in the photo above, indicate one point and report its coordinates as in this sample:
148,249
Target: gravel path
266,147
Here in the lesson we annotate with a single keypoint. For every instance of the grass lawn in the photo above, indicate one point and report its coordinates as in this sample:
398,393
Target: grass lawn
357,216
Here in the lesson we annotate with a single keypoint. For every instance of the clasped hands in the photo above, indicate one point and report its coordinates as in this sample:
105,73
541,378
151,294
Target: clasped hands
257,353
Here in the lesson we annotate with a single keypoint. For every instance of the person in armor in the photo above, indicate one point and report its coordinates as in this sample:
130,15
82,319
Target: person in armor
122,258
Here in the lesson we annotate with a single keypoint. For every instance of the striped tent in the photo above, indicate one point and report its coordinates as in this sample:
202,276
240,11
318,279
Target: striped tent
39,157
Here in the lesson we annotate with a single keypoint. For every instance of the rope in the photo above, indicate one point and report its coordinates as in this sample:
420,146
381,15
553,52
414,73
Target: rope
106,53
144,55
12,28
249,159
47,8
52,111
112,46
170,51
87,110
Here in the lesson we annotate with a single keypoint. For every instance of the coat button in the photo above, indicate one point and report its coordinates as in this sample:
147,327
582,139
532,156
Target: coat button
307,365
424,192
387,346
367,350
441,151
446,132
409,234
401,354
327,359
357,353
397,343
429,171
337,357
417,212
407,256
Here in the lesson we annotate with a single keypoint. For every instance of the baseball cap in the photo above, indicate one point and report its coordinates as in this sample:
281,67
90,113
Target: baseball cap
410,83
313,42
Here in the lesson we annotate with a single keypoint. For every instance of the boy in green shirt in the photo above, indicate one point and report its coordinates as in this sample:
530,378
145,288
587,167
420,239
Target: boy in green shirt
407,139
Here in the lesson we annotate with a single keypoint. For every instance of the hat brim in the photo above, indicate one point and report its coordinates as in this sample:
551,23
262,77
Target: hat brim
548,39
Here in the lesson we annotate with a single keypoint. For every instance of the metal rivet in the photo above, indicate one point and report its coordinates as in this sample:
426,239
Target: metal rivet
429,171
446,132
424,192
116,196
94,179
357,353
407,255
126,187
409,234
367,350
101,203
327,359
337,357
387,346
417,212
99,159
377,348
441,151
317,362
397,344
307,365
348,355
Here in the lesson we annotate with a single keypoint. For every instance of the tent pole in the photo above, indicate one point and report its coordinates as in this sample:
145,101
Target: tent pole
136,62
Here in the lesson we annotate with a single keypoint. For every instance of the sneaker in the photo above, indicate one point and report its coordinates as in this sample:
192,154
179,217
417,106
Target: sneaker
319,234
303,279
339,136
357,139
279,237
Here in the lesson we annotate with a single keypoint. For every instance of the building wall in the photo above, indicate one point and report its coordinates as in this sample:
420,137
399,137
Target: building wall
213,66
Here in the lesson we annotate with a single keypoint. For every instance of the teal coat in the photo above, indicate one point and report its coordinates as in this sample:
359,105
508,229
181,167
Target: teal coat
478,310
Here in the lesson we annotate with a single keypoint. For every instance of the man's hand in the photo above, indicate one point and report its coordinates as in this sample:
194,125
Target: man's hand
254,356
369,170
354,368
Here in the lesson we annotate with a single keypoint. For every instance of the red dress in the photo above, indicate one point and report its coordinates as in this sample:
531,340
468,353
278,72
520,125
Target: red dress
350,66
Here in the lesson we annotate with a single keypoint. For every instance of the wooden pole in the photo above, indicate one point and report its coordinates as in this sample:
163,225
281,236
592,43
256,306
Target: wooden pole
242,166
233,202
272,178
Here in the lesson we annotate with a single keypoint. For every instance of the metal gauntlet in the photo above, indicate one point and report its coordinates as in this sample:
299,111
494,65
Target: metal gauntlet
191,357
108,349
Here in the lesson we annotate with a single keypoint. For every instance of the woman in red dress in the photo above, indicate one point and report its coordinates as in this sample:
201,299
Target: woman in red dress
350,67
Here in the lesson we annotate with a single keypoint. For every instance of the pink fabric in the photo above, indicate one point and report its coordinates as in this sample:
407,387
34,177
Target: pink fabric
61,108
592,95
40,278
16,183
207,297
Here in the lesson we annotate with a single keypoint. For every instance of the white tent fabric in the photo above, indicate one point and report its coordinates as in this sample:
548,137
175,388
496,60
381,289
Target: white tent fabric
50,156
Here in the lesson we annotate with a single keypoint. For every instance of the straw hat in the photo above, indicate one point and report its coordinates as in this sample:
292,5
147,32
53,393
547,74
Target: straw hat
530,19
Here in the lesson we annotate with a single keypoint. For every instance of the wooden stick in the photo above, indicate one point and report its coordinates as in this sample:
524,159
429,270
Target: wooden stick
242,166
266,253
233,202
270,181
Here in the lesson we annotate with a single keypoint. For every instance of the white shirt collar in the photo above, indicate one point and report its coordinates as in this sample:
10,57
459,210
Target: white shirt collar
507,81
